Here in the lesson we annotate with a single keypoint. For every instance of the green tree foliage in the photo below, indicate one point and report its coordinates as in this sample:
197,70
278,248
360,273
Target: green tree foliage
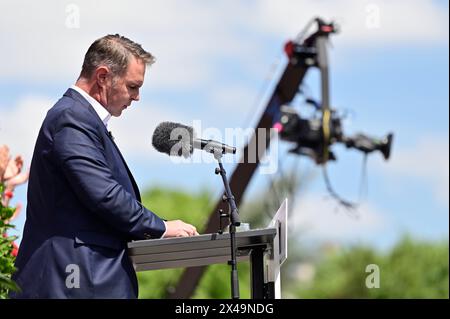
412,269
194,209
216,282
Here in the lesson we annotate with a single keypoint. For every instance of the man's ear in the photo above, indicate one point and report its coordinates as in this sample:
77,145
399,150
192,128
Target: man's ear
101,75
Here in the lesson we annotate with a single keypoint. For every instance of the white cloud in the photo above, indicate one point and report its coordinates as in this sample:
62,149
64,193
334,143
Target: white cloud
316,218
362,22
187,36
133,131
184,36
20,124
427,160
233,98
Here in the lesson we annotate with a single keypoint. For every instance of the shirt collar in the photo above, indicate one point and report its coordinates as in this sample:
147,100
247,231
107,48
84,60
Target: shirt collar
99,109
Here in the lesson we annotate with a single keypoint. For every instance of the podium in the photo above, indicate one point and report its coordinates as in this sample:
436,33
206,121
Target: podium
266,249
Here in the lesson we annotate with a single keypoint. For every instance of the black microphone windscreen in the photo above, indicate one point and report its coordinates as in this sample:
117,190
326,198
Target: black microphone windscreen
173,139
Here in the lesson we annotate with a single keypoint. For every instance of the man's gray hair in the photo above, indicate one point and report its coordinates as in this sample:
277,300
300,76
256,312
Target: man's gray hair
113,51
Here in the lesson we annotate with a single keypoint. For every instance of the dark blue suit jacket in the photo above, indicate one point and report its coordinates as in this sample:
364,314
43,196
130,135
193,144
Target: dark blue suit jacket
83,207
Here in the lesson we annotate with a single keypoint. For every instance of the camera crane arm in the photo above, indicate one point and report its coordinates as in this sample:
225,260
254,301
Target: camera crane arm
284,93
302,54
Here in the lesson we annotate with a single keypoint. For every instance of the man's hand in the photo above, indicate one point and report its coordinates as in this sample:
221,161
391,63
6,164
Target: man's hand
178,228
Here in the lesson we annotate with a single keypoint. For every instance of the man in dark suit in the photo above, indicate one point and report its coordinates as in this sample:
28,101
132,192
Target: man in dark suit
83,203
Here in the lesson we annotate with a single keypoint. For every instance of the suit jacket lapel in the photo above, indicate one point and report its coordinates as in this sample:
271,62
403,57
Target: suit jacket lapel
133,182
75,95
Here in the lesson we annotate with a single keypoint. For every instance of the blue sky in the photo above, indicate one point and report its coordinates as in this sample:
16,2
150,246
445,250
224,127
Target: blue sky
217,63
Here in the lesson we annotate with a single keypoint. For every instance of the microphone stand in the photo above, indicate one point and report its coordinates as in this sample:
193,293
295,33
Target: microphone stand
234,222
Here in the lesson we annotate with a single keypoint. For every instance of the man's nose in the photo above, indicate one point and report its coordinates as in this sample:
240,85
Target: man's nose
136,97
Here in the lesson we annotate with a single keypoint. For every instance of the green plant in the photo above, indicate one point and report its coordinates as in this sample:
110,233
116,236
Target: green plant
6,247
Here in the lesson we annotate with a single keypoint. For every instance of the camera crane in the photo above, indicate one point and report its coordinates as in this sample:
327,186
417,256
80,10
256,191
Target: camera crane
312,137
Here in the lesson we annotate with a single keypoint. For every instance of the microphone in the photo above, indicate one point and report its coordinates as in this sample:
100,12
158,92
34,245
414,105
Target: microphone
212,146
175,139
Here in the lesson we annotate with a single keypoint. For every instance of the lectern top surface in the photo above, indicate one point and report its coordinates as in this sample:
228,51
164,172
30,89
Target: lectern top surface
242,238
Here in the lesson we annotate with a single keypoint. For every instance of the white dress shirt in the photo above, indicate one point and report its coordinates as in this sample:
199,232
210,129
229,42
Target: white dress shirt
102,113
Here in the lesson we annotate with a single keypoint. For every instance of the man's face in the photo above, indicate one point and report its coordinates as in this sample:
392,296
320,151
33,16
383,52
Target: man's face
122,90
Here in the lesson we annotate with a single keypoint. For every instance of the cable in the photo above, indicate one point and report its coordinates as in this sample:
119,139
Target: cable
273,69
288,189
273,187
349,206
